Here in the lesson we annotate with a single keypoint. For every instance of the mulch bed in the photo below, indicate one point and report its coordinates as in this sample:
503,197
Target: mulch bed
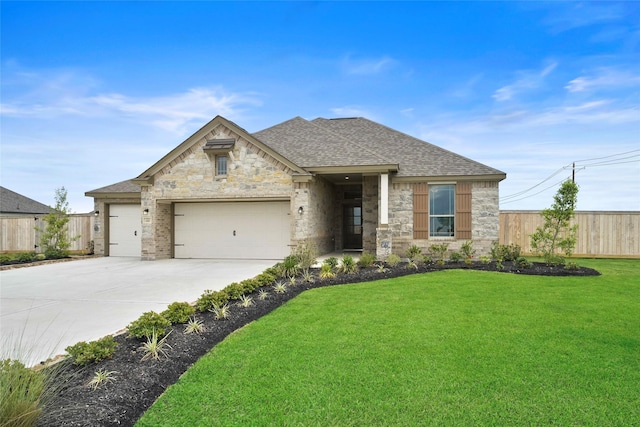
138,384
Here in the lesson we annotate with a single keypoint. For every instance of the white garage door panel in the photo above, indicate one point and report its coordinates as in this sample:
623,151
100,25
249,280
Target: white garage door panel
242,230
124,230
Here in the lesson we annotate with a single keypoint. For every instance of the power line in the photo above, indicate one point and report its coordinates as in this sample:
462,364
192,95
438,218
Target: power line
575,167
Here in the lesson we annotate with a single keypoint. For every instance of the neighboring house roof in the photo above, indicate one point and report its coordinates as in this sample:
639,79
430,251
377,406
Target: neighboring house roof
12,202
121,187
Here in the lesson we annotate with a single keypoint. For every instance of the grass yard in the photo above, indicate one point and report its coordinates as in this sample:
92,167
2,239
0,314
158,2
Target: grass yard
447,348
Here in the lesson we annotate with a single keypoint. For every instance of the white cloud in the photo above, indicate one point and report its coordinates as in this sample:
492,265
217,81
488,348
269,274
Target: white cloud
565,16
52,95
352,111
527,80
368,66
603,78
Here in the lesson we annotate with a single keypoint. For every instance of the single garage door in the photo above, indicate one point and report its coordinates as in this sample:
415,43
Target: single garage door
124,230
238,230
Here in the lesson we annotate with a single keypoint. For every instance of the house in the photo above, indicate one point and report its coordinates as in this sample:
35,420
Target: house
344,184
14,205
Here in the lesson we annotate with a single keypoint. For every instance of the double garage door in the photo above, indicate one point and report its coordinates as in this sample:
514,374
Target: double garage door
239,230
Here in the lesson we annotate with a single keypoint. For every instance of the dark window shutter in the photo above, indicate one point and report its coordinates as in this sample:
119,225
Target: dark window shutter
463,210
421,211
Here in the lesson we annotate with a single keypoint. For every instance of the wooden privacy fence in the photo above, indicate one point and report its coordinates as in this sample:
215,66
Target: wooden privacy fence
600,234
20,235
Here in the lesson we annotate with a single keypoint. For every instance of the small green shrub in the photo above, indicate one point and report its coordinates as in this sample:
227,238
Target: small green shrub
427,259
393,260
571,265
439,251
84,353
264,279
306,253
307,276
53,253
414,252
26,257
210,299
148,324
485,259
40,257
290,266
381,268
326,272
234,291
276,271
178,312
332,262
5,259
505,252
411,265
522,262
467,250
455,257
366,260
348,265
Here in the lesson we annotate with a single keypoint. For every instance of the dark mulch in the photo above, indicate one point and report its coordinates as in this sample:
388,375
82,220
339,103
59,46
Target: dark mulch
138,384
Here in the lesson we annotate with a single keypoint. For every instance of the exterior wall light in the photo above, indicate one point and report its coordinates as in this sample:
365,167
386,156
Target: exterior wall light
96,213
300,210
145,212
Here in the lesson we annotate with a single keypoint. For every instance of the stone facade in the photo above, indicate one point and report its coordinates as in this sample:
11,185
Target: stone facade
484,218
251,173
316,222
370,218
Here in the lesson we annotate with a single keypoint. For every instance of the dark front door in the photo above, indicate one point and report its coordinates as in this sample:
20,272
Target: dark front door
352,221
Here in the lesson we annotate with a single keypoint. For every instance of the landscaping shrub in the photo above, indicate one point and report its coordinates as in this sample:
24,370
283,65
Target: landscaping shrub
148,324
84,353
522,262
414,252
306,253
326,272
455,257
439,251
366,260
5,259
277,270
505,252
467,251
393,260
332,262
234,291
54,253
265,279
290,265
179,312
26,257
348,265
210,299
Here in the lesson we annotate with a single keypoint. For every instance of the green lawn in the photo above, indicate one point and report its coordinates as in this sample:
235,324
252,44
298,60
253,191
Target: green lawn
447,348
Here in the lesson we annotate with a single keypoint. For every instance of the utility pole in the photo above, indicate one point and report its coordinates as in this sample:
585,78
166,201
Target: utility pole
573,172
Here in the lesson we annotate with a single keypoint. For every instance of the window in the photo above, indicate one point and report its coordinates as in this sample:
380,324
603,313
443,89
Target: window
441,210
221,164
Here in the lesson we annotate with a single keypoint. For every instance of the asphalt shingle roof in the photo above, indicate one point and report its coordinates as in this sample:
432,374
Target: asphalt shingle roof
308,145
415,157
12,202
119,187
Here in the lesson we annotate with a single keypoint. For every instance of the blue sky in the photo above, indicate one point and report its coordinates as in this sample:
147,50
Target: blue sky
93,93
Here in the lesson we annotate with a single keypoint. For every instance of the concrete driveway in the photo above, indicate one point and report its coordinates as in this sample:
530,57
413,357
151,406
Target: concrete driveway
44,309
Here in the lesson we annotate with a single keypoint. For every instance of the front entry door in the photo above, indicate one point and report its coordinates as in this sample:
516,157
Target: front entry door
352,221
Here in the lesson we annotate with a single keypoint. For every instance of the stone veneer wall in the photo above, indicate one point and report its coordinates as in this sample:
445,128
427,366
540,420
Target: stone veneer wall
101,224
251,173
484,218
318,218
369,213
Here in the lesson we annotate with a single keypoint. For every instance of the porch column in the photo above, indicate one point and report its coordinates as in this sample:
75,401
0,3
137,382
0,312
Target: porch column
384,199
384,235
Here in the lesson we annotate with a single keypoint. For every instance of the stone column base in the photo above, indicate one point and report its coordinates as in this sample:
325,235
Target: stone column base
384,240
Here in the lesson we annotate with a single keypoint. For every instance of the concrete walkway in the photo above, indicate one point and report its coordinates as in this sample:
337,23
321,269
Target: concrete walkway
44,309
